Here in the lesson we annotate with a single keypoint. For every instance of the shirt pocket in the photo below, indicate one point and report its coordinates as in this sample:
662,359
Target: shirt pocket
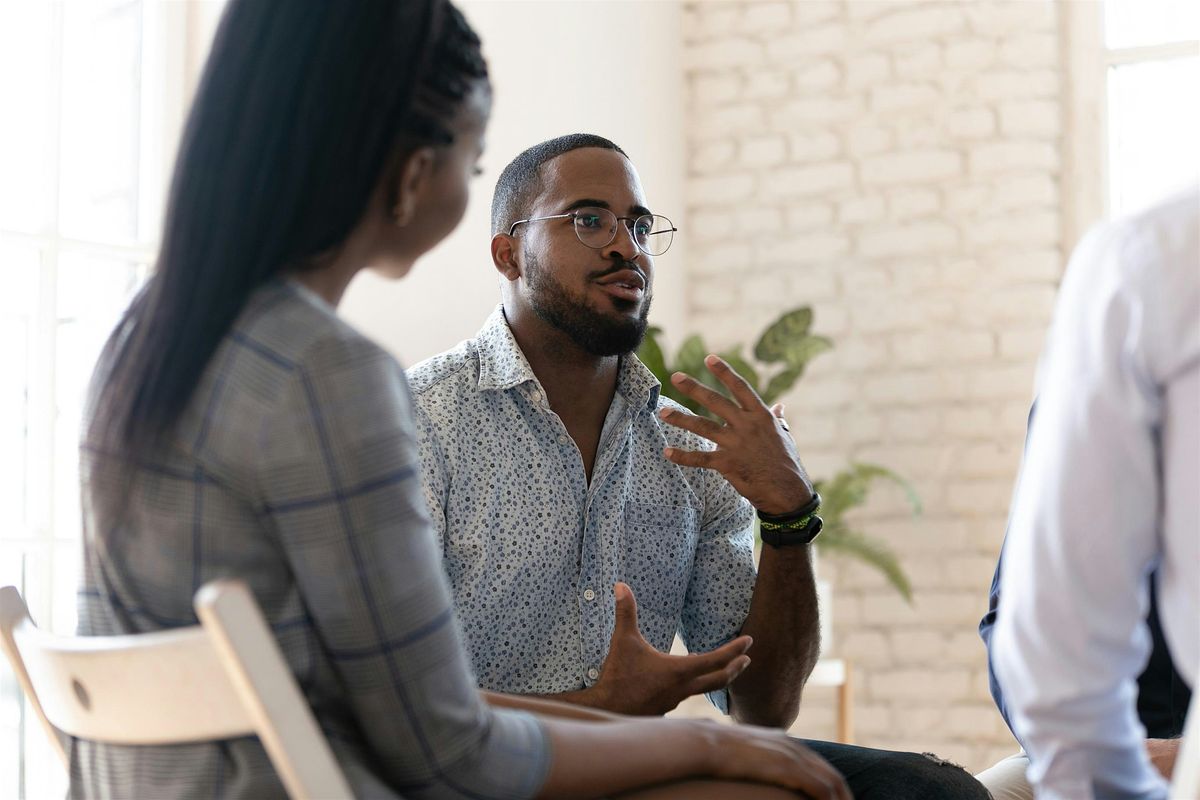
659,546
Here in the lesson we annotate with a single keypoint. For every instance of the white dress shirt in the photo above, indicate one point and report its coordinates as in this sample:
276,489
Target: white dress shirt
1110,489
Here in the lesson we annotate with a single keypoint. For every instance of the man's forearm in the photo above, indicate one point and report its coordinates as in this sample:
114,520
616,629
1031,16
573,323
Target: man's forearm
784,624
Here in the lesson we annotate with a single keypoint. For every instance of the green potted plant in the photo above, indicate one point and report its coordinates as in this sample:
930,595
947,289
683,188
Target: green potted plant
779,359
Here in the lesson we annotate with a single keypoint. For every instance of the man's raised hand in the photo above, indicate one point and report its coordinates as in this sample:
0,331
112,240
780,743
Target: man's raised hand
755,452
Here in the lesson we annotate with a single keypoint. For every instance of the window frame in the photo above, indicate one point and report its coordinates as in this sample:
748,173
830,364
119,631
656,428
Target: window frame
1086,162
174,41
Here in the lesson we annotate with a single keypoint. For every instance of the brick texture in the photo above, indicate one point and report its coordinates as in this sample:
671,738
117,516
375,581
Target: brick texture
895,165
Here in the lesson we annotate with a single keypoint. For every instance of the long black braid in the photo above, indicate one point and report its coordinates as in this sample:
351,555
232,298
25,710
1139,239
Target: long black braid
455,65
302,107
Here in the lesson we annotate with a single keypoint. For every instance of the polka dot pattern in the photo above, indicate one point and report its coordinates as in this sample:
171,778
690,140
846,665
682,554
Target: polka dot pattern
532,551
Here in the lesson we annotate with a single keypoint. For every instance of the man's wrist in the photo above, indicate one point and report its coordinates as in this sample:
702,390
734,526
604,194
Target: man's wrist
1163,753
787,505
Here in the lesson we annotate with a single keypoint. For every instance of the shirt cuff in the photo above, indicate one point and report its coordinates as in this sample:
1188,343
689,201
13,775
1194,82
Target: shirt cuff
720,699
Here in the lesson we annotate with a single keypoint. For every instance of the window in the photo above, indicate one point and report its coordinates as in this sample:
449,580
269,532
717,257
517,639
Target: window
91,96
1152,63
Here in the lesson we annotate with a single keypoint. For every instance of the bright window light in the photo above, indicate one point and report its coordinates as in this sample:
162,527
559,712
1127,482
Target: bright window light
1153,80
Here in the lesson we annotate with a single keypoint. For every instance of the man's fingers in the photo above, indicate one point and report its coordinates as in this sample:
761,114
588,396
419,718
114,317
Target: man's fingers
692,458
717,679
742,392
690,422
699,663
778,410
711,399
626,612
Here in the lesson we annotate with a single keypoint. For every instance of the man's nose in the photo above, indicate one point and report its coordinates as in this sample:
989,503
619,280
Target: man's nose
622,246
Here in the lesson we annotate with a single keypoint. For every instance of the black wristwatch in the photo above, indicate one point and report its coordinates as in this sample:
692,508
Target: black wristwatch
799,527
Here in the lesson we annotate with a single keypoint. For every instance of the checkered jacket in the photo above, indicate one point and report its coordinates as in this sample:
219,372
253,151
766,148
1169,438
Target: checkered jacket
294,468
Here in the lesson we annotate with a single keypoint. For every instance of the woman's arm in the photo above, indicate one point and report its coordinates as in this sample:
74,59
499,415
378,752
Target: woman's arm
628,753
589,759
549,708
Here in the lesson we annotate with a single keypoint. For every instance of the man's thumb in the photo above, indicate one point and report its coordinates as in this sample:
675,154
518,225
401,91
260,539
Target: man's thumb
626,613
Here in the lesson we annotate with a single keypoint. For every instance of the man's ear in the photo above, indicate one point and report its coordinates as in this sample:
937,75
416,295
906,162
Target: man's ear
504,256
412,179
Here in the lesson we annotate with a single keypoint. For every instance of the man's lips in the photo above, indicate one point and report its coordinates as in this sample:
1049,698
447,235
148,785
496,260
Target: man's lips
627,283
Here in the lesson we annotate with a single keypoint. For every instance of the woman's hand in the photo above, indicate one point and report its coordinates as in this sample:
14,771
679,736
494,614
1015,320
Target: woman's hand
765,755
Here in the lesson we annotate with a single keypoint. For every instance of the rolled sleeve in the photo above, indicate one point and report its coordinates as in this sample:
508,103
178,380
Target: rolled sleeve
723,574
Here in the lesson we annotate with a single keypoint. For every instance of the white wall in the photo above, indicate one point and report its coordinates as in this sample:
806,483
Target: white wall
610,68
898,167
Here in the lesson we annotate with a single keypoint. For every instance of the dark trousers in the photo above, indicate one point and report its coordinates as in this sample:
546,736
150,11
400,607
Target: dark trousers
886,775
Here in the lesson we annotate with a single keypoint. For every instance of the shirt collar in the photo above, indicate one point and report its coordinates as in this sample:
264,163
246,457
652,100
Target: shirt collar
636,382
502,365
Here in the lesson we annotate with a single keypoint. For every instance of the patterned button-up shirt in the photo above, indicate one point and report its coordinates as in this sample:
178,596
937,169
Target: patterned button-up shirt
532,549
294,468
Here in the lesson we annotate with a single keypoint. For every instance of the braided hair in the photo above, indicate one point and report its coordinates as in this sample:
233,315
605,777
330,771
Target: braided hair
301,108
458,65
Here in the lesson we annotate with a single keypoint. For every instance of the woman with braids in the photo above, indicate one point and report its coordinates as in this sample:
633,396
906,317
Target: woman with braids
239,428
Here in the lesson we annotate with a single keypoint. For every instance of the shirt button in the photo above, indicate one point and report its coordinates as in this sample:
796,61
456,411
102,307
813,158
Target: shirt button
593,673
589,595
562,439
535,396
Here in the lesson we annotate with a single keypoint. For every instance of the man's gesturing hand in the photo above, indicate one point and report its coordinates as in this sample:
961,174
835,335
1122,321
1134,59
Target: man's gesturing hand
637,679
754,451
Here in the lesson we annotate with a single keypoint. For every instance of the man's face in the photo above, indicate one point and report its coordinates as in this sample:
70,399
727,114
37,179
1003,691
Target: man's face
599,297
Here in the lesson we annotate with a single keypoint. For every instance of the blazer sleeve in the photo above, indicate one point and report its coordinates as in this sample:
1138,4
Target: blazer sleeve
340,480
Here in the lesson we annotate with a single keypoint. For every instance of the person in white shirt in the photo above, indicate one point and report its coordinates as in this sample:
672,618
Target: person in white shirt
1109,491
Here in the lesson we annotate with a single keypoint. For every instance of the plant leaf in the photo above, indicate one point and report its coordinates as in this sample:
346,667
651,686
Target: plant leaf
840,540
850,487
690,358
801,351
780,382
773,345
873,472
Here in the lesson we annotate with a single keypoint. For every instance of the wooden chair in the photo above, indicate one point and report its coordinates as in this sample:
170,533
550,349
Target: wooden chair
222,679
1185,780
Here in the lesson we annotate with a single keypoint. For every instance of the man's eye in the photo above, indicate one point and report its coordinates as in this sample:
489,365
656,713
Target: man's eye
588,220
642,230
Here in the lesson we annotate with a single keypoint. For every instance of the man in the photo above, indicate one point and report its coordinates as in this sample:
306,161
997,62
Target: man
1162,704
1107,497
555,471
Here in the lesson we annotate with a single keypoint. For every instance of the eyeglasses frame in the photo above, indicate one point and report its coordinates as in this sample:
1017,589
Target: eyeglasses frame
573,215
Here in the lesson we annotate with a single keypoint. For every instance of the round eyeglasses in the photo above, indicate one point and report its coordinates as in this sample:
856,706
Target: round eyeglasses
597,227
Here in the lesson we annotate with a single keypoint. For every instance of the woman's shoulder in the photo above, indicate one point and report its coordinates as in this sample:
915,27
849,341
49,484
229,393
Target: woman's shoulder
290,327
286,357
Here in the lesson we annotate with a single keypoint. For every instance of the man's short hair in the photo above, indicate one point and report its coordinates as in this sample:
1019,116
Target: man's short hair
521,181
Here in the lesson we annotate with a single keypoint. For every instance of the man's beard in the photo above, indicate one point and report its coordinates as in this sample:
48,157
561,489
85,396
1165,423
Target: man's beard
591,330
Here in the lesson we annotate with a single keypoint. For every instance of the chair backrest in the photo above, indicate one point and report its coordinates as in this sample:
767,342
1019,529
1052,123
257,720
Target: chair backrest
221,679
1185,781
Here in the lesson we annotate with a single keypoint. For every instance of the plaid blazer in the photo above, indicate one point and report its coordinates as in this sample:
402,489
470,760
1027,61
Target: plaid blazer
295,469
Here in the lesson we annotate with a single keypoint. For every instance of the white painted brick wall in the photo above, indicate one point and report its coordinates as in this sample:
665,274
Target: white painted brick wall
895,164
